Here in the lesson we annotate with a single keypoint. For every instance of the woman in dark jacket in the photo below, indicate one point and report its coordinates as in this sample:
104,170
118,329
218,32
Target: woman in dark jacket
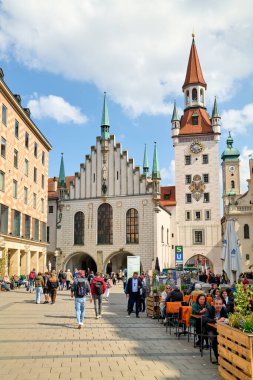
201,308
228,300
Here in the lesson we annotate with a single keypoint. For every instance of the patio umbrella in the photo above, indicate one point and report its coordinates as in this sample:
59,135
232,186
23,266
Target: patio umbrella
231,253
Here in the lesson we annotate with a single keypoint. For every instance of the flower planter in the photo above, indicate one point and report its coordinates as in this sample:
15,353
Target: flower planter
235,353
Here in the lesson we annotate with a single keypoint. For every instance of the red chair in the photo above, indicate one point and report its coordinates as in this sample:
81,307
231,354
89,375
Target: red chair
172,314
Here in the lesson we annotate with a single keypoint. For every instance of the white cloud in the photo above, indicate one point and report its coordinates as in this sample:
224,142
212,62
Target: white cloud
238,120
168,174
57,108
135,50
244,167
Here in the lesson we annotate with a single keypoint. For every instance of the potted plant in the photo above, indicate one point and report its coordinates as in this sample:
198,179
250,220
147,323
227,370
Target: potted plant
236,339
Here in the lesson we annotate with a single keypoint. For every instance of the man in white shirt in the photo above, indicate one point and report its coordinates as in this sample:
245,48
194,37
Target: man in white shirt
133,289
164,295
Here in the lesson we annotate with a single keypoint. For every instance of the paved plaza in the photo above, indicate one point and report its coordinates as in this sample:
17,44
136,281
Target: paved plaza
43,342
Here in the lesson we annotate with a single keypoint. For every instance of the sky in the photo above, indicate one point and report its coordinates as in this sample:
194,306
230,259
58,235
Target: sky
61,56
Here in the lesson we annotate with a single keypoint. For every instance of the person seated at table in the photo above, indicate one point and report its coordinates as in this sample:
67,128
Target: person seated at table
197,289
216,293
214,286
175,295
200,308
22,281
164,295
217,313
6,283
227,298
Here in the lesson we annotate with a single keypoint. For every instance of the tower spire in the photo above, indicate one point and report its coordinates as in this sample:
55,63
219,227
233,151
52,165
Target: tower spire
145,162
175,116
215,112
62,178
105,124
194,74
155,168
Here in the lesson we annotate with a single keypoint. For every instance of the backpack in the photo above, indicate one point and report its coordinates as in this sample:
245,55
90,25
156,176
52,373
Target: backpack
53,284
81,289
98,288
32,275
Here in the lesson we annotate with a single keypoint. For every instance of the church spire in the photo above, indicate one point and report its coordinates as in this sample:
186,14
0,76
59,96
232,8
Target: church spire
175,116
105,125
194,74
155,168
145,162
62,178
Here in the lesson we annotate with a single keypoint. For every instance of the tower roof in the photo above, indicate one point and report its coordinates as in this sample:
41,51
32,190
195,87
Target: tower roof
194,73
203,126
215,112
155,168
175,116
230,153
105,115
145,162
62,178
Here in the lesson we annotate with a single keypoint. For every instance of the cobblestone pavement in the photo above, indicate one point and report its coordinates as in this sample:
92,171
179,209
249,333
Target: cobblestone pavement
43,342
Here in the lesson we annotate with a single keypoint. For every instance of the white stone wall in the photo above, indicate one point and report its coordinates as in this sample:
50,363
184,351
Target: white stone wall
163,240
184,234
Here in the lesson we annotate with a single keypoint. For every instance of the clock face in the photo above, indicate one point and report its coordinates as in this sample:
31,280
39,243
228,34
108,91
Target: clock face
231,169
196,147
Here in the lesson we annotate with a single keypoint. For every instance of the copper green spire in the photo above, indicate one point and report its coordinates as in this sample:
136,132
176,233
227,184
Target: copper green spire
155,168
105,125
145,162
175,114
230,153
215,112
62,179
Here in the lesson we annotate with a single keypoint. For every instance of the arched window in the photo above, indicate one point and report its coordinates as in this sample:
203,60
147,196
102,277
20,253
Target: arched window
194,95
132,226
105,232
246,231
201,95
187,97
232,184
79,228
162,233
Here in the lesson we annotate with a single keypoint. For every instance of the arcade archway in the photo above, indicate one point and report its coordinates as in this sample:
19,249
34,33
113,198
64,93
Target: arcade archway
116,262
80,260
200,262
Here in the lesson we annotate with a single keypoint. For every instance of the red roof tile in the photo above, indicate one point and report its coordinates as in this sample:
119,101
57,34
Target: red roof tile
51,192
204,123
168,196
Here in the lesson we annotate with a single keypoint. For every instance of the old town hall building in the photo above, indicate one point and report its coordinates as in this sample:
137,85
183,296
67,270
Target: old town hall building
109,209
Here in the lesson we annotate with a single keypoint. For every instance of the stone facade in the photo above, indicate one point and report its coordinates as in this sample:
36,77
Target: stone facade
24,188
108,176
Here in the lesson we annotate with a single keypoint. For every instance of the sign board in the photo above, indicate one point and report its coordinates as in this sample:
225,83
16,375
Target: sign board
179,254
133,265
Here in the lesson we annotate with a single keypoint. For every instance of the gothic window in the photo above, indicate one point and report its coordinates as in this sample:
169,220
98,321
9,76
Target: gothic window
195,119
132,226
194,95
232,184
201,96
79,228
246,231
105,224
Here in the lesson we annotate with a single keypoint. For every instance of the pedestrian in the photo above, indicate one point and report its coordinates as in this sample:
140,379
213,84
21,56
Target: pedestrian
114,279
108,286
32,276
143,293
134,285
98,287
69,278
75,274
45,288
90,276
53,284
39,283
80,289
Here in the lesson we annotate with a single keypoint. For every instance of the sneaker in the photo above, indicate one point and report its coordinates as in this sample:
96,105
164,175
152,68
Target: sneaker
97,316
100,316
81,323
127,316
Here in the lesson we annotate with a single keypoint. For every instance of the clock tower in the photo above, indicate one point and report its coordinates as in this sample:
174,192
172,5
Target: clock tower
230,174
196,138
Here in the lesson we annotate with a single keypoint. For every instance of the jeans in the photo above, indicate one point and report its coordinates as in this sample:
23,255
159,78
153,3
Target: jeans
38,292
31,285
79,306
97,304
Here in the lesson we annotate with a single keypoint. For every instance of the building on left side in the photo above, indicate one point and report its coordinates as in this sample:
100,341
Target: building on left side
23,187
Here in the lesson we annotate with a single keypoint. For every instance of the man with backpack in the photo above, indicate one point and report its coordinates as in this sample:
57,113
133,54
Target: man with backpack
32,276
80,289
98,287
